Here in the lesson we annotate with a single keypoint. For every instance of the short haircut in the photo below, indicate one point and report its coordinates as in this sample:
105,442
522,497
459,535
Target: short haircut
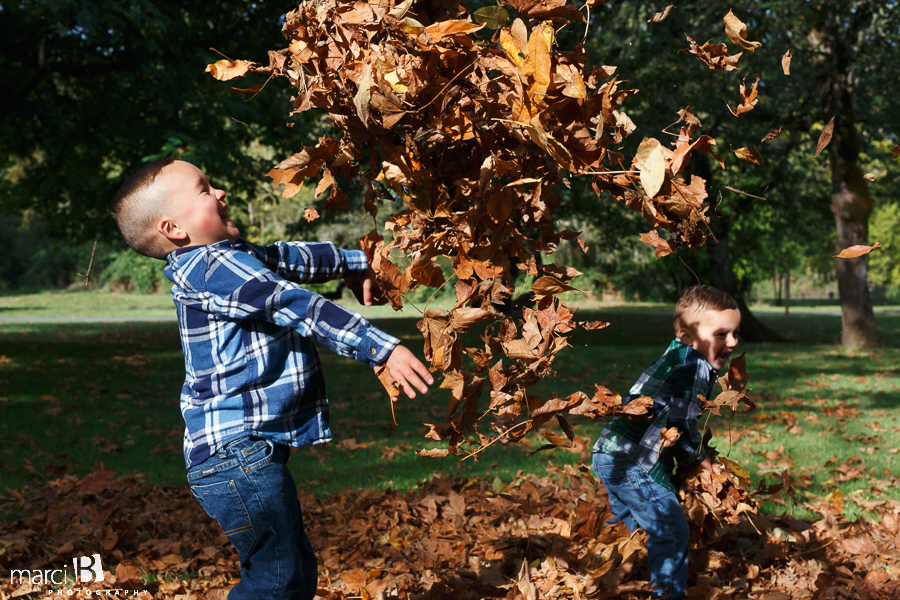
138,205
701,298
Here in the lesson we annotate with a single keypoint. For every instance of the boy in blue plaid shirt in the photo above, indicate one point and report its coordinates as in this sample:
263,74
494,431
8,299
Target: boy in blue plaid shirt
629,457
254,384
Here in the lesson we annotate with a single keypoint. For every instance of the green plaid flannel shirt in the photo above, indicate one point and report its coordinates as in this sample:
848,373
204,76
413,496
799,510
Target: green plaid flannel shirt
674,382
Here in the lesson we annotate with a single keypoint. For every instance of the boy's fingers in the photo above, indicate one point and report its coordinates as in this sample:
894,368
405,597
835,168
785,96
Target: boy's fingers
367,291
424,372
412,380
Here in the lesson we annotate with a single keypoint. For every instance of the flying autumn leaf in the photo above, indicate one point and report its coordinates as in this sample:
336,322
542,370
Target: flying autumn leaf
668,437
310,214
857,251
225,69
661,16
651,163
895,151
869,177
786,63
663,247
825,137
750,154
715,56
736,31
477,195
773,134
748,98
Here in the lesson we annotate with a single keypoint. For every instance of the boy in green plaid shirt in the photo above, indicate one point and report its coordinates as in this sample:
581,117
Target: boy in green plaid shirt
629,458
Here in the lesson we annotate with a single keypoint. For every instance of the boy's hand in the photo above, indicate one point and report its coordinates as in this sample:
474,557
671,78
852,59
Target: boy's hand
365,288
408,371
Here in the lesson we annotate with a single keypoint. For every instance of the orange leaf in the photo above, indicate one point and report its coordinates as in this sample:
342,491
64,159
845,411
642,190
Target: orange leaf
786,63
857,251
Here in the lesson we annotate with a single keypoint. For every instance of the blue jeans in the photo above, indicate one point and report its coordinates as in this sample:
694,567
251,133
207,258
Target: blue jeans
248,489
639,501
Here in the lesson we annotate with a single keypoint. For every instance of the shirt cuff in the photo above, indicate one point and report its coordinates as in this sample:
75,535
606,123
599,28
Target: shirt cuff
375,347
355,262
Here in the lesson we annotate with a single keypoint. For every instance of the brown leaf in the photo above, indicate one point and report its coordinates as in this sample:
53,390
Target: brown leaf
310,214
750,154
895,151
661,16
442,29
715,56
549,286
638,406
857,251
736,31
225,69
773,134
869,177
786,63
825,137
390,386
663,247
668,437
748,98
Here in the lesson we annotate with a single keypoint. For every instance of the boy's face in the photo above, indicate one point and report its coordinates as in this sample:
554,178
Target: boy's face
712,333
197,210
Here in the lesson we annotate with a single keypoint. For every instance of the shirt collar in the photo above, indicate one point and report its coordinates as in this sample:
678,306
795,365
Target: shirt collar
176,254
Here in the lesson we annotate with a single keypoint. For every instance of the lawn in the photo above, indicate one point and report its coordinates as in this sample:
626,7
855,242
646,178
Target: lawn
77,395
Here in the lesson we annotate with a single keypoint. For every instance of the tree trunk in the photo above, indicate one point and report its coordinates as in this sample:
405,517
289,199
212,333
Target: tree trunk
851,201
720,273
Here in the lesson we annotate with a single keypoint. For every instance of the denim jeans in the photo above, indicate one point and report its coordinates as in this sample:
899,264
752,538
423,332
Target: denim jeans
639,501
248,489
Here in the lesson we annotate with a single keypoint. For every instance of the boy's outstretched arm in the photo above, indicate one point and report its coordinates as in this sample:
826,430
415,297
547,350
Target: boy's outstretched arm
408,371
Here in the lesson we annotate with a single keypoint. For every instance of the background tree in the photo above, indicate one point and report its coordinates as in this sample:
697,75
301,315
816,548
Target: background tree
93,87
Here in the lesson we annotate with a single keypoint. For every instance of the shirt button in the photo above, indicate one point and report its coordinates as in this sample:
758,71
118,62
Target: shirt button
373,351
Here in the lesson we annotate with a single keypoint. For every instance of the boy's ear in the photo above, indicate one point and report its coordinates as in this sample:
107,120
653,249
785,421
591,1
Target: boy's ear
684,336
170,230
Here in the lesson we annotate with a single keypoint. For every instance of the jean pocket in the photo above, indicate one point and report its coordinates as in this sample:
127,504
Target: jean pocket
258,455
222,502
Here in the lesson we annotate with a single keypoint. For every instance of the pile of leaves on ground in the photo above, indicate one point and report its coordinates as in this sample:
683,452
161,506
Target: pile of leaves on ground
537,537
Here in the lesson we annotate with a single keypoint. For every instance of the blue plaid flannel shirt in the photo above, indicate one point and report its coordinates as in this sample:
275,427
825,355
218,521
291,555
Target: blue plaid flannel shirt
674,382
246,331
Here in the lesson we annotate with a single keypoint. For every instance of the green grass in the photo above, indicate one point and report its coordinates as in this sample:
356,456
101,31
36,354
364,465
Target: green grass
75,395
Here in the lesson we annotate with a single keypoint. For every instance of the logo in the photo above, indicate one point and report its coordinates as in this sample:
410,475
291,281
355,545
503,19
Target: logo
88,568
